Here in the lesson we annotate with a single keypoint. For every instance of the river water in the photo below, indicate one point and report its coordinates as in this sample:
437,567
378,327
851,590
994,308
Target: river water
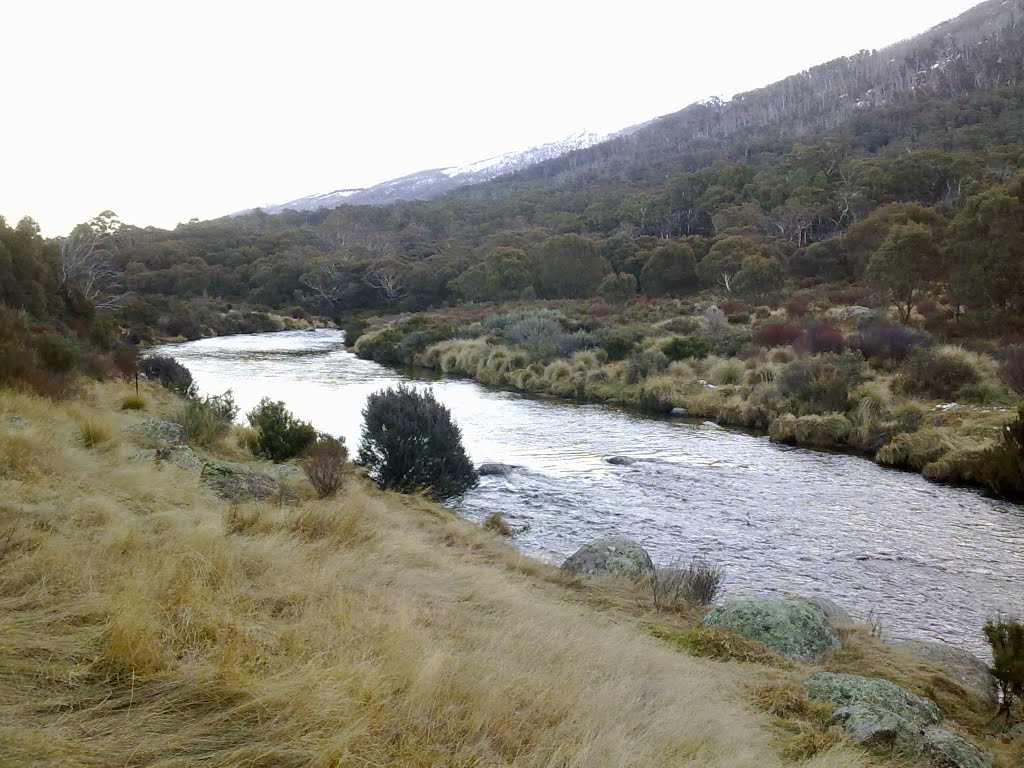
927,561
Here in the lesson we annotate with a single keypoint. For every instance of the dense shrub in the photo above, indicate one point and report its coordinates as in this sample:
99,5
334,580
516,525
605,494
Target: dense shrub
571,343
540,336
798,306
400,343
821,384
277,434
685,348
1001,468
618,343
888,342
1006,637
1012,370
641,365
324,465
126,362
410,444
207,419
777,334
170,373
939,374
820,338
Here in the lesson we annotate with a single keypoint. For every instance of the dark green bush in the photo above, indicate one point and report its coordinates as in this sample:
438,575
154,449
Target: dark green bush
278,436
1006,636
686,347
644,364
170,373
618,342
821,384
410,444
931,374
1001,468
400,343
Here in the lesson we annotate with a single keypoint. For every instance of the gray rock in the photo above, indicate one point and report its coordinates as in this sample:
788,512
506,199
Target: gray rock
947,750
794,627
286,473
181,455
836,614
237,482
879,728
845,690
620,557
159,432
621,461
679,413
848,313
17,421
962,665
495,468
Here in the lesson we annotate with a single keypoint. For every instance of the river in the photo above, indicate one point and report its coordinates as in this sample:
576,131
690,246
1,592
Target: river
926,561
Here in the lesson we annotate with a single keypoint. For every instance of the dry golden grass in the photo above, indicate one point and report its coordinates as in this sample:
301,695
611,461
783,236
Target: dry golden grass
145,622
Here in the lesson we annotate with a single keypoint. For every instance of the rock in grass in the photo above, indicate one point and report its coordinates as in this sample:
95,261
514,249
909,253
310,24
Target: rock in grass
159,432
962,665
879,729
846,690
794,627
947,750
620,557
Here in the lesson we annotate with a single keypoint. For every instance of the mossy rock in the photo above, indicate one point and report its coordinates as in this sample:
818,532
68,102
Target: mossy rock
847,690
619,557
947,750
879,729
794,627
964,666
158,432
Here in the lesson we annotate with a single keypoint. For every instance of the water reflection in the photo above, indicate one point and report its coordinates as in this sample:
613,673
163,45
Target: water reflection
930,561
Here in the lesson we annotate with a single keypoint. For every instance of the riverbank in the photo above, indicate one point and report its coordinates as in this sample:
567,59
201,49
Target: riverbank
172,627
866,388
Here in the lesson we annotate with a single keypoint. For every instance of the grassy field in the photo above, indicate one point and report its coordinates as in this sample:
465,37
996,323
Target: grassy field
146,622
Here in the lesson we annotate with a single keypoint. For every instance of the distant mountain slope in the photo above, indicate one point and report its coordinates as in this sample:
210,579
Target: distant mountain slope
428,184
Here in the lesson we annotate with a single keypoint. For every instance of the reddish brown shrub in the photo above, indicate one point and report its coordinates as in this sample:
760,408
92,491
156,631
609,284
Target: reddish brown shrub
1012,370
734,307
325,466
798,306
886,341
819,338
777,334
126,362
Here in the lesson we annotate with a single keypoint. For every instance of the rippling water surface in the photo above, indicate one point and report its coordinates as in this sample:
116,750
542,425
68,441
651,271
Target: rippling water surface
928,561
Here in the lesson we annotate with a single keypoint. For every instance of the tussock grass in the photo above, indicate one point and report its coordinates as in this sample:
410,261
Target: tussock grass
145,622
133,403
93,433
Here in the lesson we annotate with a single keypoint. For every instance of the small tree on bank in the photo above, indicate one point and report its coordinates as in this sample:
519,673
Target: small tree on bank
278,435
410,443
1006,636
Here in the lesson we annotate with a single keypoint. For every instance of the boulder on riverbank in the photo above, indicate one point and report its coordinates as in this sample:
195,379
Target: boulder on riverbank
614,556
795,627
963,666
229,480
158,432
495,468
879,714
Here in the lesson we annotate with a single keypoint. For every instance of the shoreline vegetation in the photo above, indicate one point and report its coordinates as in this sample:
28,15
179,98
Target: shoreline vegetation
848,379
150,620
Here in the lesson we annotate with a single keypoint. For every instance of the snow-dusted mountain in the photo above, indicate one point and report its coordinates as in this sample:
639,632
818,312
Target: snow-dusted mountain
429,184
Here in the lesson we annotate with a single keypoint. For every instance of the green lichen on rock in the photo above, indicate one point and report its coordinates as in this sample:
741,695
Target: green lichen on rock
794,627
845,690
879,729
619,557
947,750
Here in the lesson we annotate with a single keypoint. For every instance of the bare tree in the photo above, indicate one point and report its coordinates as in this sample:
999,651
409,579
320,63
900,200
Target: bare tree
85,265
388,283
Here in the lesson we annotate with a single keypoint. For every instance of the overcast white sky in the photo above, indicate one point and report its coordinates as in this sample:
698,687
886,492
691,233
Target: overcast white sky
165,111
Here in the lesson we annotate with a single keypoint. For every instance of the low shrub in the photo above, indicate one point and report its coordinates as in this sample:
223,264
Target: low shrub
277,434
826,431
1001,468
821,338
410,444
938,373
1012,370
541,337
496,523
1006,637
882,341
207,419
683,325
577,341
821,384
798,306
169,373
686,348
401,342
126,362
325,465
777,333
739,318
618,343
641,365
695,584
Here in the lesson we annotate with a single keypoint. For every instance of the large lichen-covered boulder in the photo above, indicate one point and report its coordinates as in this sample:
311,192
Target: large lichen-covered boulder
619,557
846,690
158,432
947,750
794,627
238,482
879,729
963,666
